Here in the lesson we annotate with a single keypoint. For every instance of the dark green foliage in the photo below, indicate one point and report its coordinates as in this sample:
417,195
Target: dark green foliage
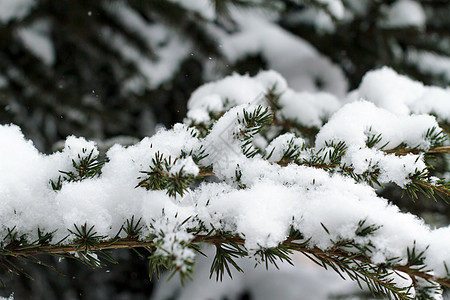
420,185
436,137
238,177
44,238
86,238
158,263
226,254
378,279
14,239
270,256
328,157
132,227
86,166
160,178
272,98
87,241
374,139
197,156
365,230
252,124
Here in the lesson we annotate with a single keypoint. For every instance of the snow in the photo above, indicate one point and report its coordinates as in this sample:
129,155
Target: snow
317,18
255,33
355,121
203,7
222,143
281,144
307,108
37,38
262,213
322,15
185,165
402,95
358,7
253,198
14,9
403,13
223,94
3,81
335,7
294,58
353,124
25,187
169,48
430,63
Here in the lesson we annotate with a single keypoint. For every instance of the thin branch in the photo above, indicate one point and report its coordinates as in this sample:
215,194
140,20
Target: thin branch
428,185
404,151
216,240
444,149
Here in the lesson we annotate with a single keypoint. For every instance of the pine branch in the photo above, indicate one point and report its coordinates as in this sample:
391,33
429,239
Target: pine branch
426,188
128,243
443,189
160,177
404,151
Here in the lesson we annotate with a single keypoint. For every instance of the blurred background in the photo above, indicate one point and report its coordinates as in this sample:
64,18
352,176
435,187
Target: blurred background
115,71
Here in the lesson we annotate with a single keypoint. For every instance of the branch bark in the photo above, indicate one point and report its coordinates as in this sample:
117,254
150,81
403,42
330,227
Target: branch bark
215,240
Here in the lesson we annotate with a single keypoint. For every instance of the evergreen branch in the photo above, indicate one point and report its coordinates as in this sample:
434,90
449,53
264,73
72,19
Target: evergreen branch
252,122
404,151
418,182
443,149
85,166
330,255
430,188
160,177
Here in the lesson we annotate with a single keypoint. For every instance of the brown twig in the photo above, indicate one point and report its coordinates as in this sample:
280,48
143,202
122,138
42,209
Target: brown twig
440,189
329,255
404,151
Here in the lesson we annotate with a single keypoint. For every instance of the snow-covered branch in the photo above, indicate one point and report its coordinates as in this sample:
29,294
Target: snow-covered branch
238,180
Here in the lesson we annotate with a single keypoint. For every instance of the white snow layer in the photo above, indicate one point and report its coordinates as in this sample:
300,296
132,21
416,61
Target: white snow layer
354,124
358,121
203,7
403,13
430,63
170,49
309,109
297,60
37,38
402,95
335,7
275,198
14,9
